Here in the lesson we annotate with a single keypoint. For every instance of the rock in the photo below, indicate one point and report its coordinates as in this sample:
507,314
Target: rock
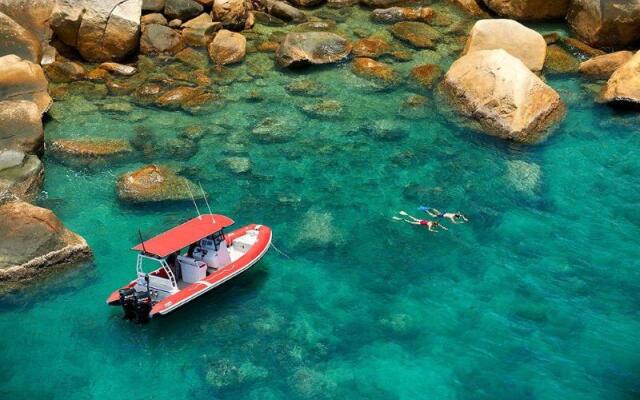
21,127
267,20
21,175
284,11
390,3
178,97
200,31
118,107
370,47
524,176
23,80
560,61
273,130
97,75
64,71
387,130
155,18
182,9
32,15
518,40
14,39
175,23
397,14
42,239
154,183
529,9
232,13
414,107
316,26
551,38
101,30
624,84
582,47
147,93
312,48
602,67
416,34
499,92
118,69
85,151
306,87
306,3
471,7
159,39
425,75
227,48
317,230
341,3
371,69
153,5
605,23
324,109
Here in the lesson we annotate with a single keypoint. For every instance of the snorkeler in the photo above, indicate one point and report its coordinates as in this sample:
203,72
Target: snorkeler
430,225
455,218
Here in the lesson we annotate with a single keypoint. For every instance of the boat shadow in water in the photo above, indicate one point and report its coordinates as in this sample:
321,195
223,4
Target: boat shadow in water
214,303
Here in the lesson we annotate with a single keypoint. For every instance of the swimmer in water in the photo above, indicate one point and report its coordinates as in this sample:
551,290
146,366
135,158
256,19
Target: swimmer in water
430,225
455,218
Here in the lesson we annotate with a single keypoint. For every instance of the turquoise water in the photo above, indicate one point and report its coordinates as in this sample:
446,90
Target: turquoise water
536,298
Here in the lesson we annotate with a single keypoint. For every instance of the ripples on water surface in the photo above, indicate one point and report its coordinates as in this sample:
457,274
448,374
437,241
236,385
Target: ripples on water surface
537,297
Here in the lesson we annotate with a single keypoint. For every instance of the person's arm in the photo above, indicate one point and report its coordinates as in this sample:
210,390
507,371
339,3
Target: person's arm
432,230
433,214
444,227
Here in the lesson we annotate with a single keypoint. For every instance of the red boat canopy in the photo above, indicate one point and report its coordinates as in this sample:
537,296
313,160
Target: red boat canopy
183,235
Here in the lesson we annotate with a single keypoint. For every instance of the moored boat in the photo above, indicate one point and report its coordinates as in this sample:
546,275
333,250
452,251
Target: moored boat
212,257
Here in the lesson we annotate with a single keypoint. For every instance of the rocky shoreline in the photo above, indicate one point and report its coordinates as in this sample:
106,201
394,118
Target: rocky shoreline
177,54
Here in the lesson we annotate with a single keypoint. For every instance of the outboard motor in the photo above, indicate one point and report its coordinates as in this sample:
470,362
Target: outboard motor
136,305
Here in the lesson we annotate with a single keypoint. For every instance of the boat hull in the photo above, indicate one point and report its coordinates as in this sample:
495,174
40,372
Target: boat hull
213,280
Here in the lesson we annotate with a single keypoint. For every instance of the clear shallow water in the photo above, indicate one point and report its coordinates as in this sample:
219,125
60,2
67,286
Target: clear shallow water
536,298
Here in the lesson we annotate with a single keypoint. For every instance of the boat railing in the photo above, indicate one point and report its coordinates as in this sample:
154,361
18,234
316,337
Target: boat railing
163,264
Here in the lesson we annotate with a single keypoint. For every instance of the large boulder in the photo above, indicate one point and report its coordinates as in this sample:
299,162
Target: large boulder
518,40
372,47
605,23
471,7
227,48
284,11
397,14
529,9
21,126
160,39
502,95
20,175
232,13
182,9
32,239
416,34
32,15
23,80
624,84
14,39
603,66
306,3
312,48
101,30
371,69
154,183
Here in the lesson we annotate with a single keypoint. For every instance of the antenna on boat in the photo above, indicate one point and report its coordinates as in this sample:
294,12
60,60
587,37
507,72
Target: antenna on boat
194,201
206,202
141,241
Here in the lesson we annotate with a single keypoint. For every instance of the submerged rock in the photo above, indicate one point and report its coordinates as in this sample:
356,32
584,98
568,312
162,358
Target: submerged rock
23,80
227,48
192,58
523,176
182,9
387,130
560,61
42,239
306,87
312,48
159,39
499,92
604,66
21,175
416,34
285,11
154,183
101,30
529,9
64,71
372,69
88,150
237,165
223,373
21,126
370,47
273,130
118,69
518,40
324,109
397,14
624,84
425,75
317,230
605,23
